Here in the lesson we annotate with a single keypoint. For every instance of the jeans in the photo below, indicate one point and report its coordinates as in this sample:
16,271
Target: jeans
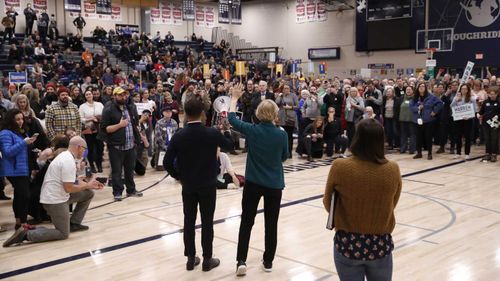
251,196
21,200
390,131
357,270
59,214
408,131
190,200
122,160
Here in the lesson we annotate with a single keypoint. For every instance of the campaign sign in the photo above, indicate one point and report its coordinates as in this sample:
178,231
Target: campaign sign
140,66
461,112
18,78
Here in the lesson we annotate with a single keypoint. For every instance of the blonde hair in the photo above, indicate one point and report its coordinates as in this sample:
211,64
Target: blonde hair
267,111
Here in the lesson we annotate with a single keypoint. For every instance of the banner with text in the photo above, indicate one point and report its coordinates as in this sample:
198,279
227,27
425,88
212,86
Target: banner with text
89,10
236,12
310,11
103,7
40,5
69,5
223,11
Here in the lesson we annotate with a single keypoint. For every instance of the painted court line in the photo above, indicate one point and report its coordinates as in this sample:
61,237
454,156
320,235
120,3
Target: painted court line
216,222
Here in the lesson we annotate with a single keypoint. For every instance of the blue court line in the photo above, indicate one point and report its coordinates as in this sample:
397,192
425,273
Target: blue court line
159,236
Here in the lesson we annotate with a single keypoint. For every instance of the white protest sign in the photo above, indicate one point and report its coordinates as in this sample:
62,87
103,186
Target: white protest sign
461,112
430,63
141,106
467,72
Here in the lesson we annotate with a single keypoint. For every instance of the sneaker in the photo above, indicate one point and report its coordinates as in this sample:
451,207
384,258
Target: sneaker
429,157
417,156
210,264
75,227
192,262
232,186
440,150
486,158
16,238
134,194
267,266
241,268
343,156
467,157
118,198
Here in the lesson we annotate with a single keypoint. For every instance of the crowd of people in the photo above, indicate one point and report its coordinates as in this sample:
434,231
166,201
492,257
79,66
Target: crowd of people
50,122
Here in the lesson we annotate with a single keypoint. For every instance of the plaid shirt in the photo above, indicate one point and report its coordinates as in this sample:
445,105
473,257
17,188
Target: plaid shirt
161,133
129,132
59,118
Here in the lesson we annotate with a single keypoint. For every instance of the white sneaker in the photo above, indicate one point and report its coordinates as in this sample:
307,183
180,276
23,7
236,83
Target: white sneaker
456,156
343,156
232,186
241,269
467,157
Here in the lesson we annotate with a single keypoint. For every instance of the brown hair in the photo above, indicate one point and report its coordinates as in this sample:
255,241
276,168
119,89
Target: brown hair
368,142
468,94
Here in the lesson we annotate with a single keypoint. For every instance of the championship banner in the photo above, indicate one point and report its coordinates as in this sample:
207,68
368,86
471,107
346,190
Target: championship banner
69,5
89,10
116,13
311,10
200,16
15,4
166,13
223,11
240,68
188,10
177,14
300,10
209,17
321,9
155,16
39,5
236,12
103,7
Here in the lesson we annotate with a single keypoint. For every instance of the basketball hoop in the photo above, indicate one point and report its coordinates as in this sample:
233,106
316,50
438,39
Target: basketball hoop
430,52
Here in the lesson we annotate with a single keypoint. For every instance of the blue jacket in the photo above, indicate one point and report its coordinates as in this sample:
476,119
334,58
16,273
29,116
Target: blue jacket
431,104
14,150
267,150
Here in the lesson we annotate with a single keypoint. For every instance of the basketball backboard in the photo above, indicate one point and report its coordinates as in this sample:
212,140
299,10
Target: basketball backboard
440,39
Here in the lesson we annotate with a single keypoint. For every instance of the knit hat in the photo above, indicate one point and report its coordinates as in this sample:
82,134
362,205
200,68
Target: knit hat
51,85
62,89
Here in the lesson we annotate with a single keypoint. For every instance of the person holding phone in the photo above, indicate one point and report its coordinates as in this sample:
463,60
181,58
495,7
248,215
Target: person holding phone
15,145
61,187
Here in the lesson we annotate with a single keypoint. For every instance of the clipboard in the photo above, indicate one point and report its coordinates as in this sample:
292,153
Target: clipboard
330,223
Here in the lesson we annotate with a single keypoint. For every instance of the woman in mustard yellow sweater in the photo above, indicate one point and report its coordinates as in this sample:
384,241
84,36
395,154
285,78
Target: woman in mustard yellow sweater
367,188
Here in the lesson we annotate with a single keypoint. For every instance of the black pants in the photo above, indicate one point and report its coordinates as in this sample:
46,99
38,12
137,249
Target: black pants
20,205
313,148
96,149
251,196
289,132
206,199
36,209
390,131
446,132
424,135
351,131
227,180
491,139
339,142
463,130
122,160
9,31
29,28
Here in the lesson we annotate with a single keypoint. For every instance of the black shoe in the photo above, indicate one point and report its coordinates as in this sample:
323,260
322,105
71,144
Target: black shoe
99,168
241,268
417,156
440,150
16,238
134,194
192,262
245,150
493,158
93,169
117,198
429,157
4,197
73,227
210,264
233,152
267,266
310,159
486,158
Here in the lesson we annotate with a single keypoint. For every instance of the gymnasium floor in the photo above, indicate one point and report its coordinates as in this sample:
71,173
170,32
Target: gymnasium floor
448,221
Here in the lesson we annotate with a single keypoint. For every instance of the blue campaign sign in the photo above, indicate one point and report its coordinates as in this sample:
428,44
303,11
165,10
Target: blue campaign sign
294,68
18,78
321,68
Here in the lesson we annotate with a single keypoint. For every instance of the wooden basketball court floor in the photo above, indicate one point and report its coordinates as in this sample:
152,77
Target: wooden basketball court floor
448,226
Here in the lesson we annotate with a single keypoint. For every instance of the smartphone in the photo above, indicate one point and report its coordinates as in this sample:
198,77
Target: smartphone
35,135
102,180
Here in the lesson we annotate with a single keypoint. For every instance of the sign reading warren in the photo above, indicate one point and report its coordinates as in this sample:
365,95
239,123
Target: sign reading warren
18,78
461,112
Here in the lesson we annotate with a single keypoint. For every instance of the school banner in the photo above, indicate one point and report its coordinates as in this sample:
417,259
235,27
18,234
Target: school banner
40,5
89,10
116,13
209,17
311,10
103,7
69,5
155,17
322,15
200,16
188,9
166,13
177,14
236,12
300,11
